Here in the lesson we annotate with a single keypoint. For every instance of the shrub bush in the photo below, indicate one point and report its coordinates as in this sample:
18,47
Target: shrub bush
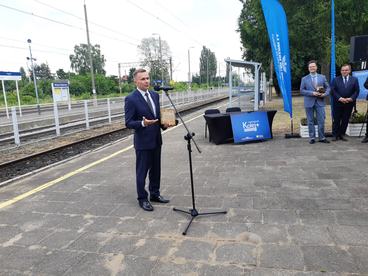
304,122
357,118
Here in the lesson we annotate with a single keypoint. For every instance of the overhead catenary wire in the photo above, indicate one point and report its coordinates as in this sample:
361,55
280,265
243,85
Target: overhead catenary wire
65,24
40,16
82,19
105,35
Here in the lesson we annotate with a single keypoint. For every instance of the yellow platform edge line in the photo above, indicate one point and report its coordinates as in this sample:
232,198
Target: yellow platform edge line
70,174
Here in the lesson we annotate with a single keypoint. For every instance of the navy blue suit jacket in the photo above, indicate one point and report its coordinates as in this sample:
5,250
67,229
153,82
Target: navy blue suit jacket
339,90
136,107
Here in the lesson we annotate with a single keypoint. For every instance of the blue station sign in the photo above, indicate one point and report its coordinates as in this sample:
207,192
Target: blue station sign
10,75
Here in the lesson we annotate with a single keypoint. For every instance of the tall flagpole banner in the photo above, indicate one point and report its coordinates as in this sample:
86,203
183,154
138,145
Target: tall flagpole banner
279,39
332,59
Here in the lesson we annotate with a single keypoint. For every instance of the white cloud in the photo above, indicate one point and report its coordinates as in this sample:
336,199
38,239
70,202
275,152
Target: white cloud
181,23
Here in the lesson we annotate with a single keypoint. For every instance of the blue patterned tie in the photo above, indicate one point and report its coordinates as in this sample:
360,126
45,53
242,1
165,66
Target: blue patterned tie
149,103
314,81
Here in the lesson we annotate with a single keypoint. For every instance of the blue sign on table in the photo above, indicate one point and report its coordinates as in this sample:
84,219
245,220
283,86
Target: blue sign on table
250,126
362,77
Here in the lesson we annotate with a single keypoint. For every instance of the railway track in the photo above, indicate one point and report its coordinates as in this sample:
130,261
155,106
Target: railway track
35,161
32,159
48,131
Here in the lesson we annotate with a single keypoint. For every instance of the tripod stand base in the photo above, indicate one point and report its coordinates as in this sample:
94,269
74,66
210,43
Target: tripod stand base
292,135
194,213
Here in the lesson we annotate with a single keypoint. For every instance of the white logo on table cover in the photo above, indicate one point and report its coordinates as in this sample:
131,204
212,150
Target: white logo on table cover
250,126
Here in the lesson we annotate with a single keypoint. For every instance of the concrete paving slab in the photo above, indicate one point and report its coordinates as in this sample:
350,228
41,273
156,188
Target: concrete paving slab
292,209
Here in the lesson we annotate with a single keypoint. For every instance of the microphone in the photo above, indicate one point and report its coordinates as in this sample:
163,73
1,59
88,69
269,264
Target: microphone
165,88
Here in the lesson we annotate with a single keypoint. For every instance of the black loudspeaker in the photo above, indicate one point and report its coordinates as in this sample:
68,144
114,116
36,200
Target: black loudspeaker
358,48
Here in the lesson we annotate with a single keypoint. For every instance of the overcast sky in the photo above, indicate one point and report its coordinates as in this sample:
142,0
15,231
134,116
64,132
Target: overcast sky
118,26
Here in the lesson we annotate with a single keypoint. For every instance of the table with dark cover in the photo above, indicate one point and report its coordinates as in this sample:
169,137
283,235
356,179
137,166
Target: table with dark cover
219,126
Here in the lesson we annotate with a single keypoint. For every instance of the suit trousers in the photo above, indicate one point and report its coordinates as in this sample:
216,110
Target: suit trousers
148,161
341,116
320,116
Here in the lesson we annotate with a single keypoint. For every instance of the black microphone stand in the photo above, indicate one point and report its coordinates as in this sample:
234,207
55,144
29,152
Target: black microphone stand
189,137
365,121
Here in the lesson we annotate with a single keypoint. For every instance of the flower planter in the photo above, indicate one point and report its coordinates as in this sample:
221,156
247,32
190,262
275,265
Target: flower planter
304,133
354,129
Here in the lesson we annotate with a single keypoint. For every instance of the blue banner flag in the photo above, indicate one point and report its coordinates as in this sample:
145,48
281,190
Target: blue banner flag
362,77
332,61
332,58
279,39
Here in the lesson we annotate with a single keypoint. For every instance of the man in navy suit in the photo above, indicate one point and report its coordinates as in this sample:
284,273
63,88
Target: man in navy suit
142,113
345,90
314,87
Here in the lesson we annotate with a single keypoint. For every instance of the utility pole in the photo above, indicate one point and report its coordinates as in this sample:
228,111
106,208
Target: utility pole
207,67
34,76
270,81
171,70
119,65
219,76
189,73
90,56
161,63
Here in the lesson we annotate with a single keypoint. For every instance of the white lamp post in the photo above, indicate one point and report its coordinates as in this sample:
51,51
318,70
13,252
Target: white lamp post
189,73
34,75
161,64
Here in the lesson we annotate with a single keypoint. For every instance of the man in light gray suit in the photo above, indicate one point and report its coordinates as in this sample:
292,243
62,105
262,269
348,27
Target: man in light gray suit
314,87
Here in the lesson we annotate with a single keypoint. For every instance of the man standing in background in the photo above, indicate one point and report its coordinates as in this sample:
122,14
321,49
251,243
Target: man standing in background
345,90
314,87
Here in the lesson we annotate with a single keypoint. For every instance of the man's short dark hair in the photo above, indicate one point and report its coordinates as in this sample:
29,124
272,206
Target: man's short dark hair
312,61
137,71
346,64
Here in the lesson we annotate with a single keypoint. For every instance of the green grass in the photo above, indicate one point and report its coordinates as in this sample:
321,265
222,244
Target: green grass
281,122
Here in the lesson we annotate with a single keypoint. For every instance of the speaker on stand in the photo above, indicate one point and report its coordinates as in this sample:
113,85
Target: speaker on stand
359,52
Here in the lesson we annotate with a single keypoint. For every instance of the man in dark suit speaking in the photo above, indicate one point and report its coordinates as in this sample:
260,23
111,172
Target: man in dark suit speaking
142,113
345,90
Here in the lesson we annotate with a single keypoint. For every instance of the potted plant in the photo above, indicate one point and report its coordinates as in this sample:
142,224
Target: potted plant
356,122
304,133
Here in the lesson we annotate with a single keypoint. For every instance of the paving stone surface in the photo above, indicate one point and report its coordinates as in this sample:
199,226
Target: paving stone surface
292,209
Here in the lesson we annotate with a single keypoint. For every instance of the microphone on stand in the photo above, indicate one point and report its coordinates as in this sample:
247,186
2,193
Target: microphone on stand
164,88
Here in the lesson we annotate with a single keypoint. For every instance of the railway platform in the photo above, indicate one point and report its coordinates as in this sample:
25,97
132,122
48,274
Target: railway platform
292,209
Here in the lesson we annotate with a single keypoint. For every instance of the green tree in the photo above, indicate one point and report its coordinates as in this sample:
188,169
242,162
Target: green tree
309,24
80,60
61,74
42,71
207,65
130,76
150,53
23,74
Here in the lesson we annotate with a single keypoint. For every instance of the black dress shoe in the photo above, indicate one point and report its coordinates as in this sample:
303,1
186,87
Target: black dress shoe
312,141
342,138
335,139
365,140
159,199
146,205
324,141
